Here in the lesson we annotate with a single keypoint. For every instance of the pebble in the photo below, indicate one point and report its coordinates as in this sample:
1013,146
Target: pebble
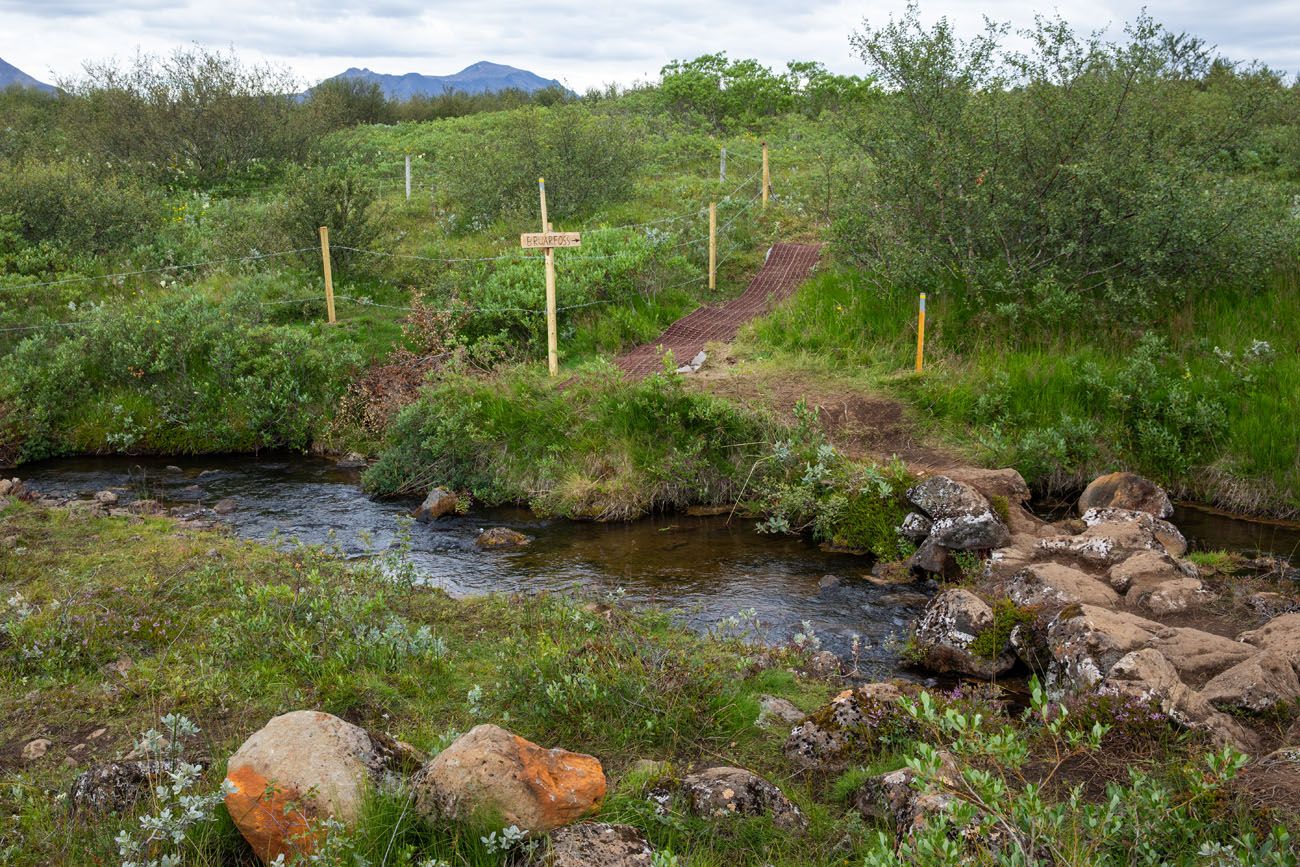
36,749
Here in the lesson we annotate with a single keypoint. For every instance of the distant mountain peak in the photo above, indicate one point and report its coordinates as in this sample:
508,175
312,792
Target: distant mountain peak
481,77
11,76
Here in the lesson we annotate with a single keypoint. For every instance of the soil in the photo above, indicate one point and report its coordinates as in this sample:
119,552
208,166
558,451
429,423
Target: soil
862,425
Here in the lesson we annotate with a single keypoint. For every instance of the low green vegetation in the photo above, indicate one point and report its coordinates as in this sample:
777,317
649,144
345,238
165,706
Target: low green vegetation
593,447
1106,230
114,623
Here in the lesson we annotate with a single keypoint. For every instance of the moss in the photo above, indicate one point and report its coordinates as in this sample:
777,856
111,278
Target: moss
990,643
868,522
1001,507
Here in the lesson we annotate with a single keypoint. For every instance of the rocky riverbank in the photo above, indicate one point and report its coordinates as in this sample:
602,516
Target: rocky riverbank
340,715
1106,601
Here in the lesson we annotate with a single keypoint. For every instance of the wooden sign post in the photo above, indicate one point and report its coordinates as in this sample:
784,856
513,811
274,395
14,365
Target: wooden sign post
329,277
408,177
548,240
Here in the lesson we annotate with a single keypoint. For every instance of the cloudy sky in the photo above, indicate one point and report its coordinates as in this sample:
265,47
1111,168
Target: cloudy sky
581,43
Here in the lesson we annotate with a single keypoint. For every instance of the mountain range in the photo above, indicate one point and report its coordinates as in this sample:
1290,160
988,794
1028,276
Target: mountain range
11,76
481,77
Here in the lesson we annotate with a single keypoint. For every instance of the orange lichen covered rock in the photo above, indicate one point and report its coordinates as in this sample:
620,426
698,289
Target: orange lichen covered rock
490,772
298,769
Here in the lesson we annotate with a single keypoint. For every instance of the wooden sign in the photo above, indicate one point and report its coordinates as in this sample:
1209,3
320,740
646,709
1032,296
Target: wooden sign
546,240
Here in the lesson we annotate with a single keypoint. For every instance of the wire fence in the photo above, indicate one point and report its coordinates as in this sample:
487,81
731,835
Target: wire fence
727,200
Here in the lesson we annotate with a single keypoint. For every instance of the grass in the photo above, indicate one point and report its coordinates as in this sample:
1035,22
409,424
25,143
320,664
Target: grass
591,447
1188,404
231,633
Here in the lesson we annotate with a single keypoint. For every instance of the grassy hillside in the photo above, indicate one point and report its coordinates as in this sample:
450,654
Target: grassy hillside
1116,296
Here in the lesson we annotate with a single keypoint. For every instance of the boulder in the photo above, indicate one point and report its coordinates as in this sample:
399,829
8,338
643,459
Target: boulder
115,787
1199,655
1165,534
1006,562
439,502
963,520
108,498
822,664
1148,568
1169,597
1055,585
1281,634
1146,675
1006,483
1087,640
1126,491
777,711
944,635
501,537
298,769
351,461
1113,536
725,792
1158,582
824,739
931,557
87,509
225,506
941,497
490,772
595,844
970,532
1257,684
915,527
899,798
145,507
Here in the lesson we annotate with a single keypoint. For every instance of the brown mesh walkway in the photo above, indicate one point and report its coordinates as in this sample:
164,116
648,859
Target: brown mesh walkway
787,266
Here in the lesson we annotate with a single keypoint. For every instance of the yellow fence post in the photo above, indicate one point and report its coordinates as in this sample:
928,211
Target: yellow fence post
329,278
767,177
713,245
920,335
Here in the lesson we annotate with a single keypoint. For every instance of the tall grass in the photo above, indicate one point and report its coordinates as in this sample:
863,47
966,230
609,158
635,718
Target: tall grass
1195,399
591,447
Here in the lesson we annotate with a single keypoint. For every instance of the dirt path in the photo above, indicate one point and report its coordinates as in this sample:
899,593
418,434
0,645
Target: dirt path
787,266
860,423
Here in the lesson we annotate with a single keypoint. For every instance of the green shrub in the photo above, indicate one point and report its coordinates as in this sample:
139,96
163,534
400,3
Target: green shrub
594,447
75,210
337,197
167,376
194,116
614,269
1076,166
489,168
805,485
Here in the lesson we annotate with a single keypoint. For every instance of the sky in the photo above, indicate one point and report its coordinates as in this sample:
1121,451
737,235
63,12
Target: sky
584,44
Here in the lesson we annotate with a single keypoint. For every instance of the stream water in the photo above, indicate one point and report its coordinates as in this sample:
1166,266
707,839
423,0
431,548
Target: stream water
707,568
